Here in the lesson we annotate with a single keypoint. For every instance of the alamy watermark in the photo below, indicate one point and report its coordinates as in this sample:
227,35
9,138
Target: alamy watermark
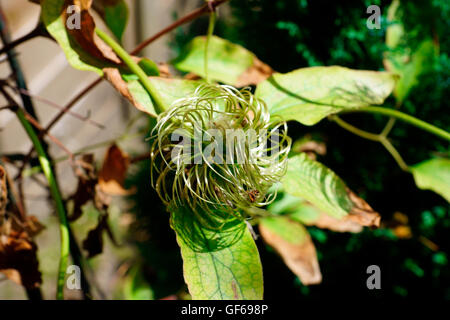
374,280
73,281
73,20
373,22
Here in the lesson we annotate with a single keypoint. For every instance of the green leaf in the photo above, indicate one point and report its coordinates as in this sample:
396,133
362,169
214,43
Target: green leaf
219,261
227,62
114,13
408,60
231,273
310,94
174,89
312,181
169,90
433,174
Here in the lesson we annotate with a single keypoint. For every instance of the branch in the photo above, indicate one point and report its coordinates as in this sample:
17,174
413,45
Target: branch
33,121
36,32
373,137
55,105
206,8
405,118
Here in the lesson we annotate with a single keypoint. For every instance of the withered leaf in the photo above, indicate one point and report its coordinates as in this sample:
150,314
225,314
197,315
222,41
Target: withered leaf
346,224
86,36
115,78
113,172
299,254
32,227
87,180
362,213
18,259
255,74
93,243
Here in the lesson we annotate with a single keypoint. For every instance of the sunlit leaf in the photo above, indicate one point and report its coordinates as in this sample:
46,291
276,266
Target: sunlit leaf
232,273
169,90
227,62
292,241
312,181
218,263
433,174
310,94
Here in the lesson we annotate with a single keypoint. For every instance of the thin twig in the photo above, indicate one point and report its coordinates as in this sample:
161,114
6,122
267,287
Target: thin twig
362,133
66,109
391,122
373,137
403,117
394,153
36,124
55,105
37,127
206,8
39,30
71,104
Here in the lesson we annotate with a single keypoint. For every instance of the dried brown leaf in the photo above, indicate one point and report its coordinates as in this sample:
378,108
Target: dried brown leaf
345,224
18,259
362,213
87,180
86,36
115,78
32,227
300,258
255,74
93,243
113,172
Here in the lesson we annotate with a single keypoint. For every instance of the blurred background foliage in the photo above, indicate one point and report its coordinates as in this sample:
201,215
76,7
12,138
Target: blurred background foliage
412,247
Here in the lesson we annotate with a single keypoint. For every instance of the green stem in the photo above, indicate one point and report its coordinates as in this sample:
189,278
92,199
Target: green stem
394,153
136,69
405,118
363,134
47,169
374,137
